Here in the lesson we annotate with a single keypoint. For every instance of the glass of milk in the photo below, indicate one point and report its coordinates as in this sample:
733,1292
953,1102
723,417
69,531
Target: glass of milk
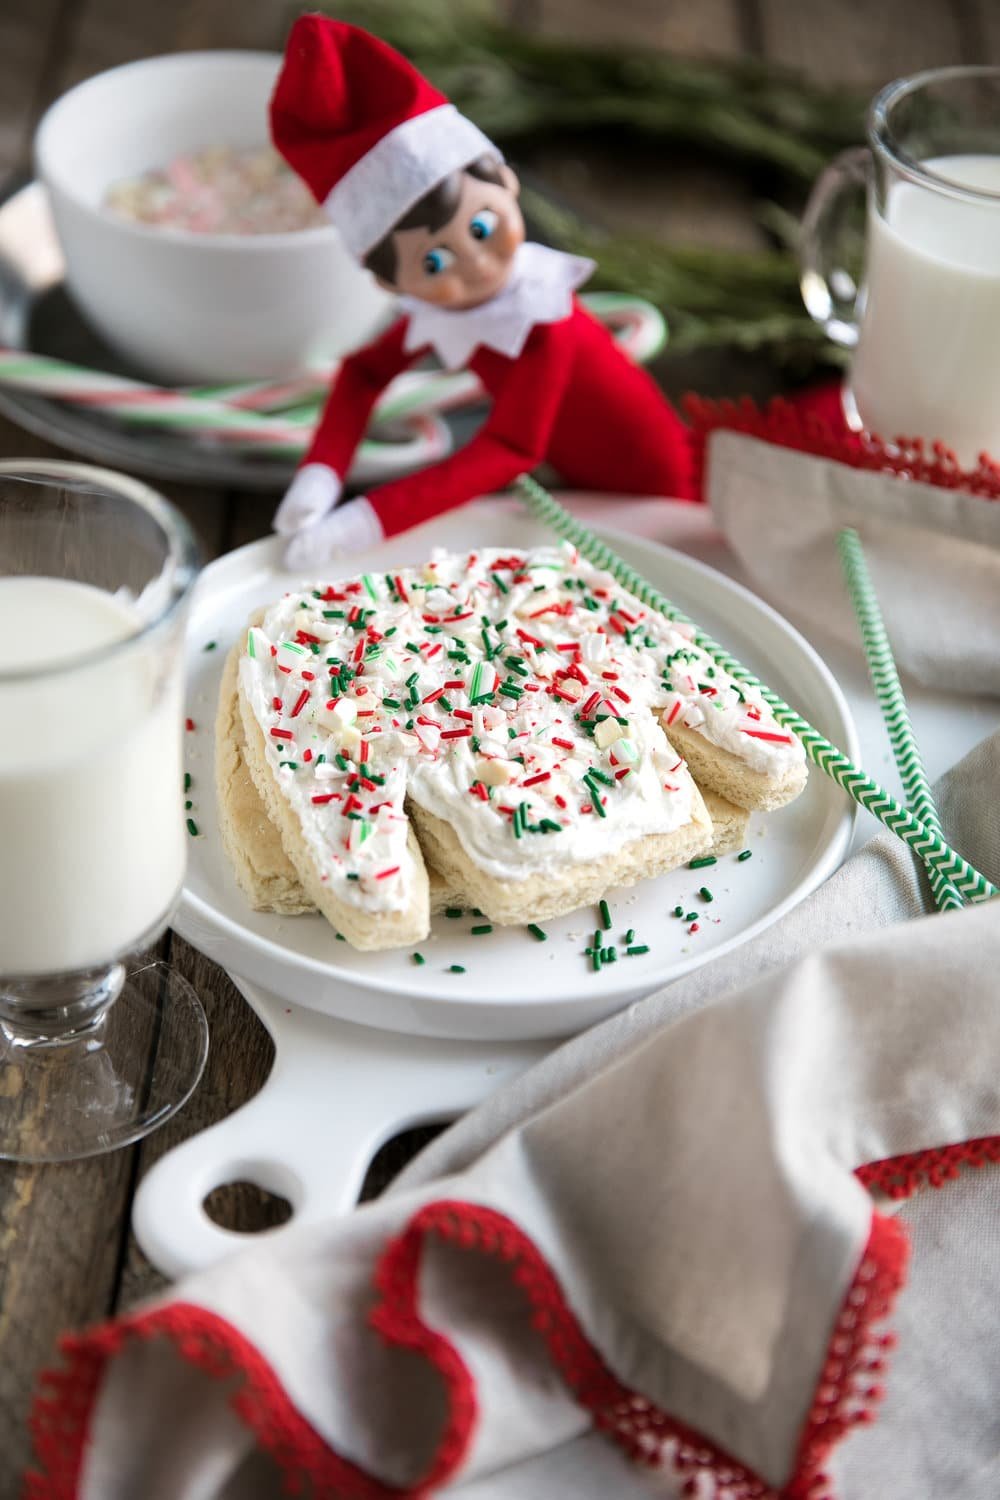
97,1046
925,325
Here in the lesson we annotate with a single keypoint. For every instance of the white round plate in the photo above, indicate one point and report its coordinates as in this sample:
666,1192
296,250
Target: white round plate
514,987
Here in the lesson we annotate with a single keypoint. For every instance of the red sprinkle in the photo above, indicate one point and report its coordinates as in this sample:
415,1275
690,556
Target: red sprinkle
563,744
308,676
189,725
610,676
693,927
478,790
300,703
590,704
621,693
353,804
433,697
384,874
763,734
325,797
623,772
534,780
362,752
281,734
532,640
307,756
276,703
455,734
560,801
400,590
452,684
463,713
674,711
616,624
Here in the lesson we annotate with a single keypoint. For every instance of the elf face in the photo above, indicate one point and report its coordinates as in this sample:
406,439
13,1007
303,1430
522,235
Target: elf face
467,260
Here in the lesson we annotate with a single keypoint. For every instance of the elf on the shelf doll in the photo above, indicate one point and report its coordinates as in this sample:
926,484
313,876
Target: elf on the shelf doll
425,201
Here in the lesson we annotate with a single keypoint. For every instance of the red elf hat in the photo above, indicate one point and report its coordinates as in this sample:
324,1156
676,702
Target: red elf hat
365,131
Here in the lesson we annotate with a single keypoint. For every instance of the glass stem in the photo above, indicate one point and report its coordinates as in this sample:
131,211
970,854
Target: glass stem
56,1009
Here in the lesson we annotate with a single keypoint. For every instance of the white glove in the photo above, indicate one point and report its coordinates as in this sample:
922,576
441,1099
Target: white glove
315,490
350,528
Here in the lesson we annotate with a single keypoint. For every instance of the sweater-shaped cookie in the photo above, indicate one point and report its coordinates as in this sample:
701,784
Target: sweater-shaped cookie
504,713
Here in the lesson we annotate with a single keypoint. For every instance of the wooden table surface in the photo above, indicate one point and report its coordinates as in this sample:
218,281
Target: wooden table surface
67,1256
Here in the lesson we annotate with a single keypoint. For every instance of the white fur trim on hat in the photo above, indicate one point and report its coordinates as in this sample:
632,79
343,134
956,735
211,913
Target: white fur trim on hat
397,172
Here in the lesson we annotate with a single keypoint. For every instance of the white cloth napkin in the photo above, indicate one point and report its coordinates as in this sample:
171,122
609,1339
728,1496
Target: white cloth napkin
649,1267
934,553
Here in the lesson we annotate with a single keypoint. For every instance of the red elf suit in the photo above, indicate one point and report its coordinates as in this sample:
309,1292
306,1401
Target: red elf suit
370,137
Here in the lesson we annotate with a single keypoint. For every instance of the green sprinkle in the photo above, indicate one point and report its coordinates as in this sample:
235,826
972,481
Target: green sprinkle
340,937
369,583
746,854
209,646
512,734
188,806
692,916
678,911
341,763
630,935
538,932
605,911
500,583
412,646
187,785
476,912
334,614
638,948
292,765
251,649
595,958
355,817
481,930
353,875
601,776
609,955
418,958
192,828
706,894
453,911
391,702
702,863
456,969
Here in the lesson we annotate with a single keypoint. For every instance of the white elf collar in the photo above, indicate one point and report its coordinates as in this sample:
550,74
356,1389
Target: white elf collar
539,290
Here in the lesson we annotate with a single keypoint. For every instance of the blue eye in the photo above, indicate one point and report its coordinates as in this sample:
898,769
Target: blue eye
436,261
483,225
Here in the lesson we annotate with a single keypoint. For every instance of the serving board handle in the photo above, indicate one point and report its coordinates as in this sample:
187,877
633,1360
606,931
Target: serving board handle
336,1093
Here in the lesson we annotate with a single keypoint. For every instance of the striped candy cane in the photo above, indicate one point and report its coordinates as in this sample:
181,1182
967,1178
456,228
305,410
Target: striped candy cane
915,833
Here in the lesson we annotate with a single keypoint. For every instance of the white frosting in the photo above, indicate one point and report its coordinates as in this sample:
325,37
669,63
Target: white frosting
488,661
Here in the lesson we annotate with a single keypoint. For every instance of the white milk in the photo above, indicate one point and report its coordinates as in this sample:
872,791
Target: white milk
928,359
92,839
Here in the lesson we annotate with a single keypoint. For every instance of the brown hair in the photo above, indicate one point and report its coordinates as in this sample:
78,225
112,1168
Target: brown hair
432,211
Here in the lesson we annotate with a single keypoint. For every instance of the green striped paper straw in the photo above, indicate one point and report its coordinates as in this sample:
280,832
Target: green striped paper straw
930,847
892,702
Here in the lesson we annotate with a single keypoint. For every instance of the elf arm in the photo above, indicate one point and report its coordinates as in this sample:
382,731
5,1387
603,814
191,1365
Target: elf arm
359,382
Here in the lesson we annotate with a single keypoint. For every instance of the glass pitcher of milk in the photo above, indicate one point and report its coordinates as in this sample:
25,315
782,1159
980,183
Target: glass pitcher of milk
925,325
96,572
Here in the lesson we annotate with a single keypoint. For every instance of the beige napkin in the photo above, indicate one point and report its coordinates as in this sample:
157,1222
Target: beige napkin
649,1267
934,553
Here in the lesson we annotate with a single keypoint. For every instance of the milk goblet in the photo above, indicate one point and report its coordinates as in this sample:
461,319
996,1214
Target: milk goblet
97,1048
925,324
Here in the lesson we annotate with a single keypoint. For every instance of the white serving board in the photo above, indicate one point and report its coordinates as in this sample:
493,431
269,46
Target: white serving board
514,987
368,1045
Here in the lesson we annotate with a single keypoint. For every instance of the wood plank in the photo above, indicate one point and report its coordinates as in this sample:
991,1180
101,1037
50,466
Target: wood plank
854,42
710,28
30,41
59,1252
239,1060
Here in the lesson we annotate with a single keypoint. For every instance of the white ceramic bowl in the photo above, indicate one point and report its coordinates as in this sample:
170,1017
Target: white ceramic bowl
183,306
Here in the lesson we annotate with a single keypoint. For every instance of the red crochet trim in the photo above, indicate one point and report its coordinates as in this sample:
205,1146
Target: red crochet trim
63,1408
901,1176
816,425
844,1398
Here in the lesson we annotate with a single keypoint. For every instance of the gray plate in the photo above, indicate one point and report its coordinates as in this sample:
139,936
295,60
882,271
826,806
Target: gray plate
38,315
